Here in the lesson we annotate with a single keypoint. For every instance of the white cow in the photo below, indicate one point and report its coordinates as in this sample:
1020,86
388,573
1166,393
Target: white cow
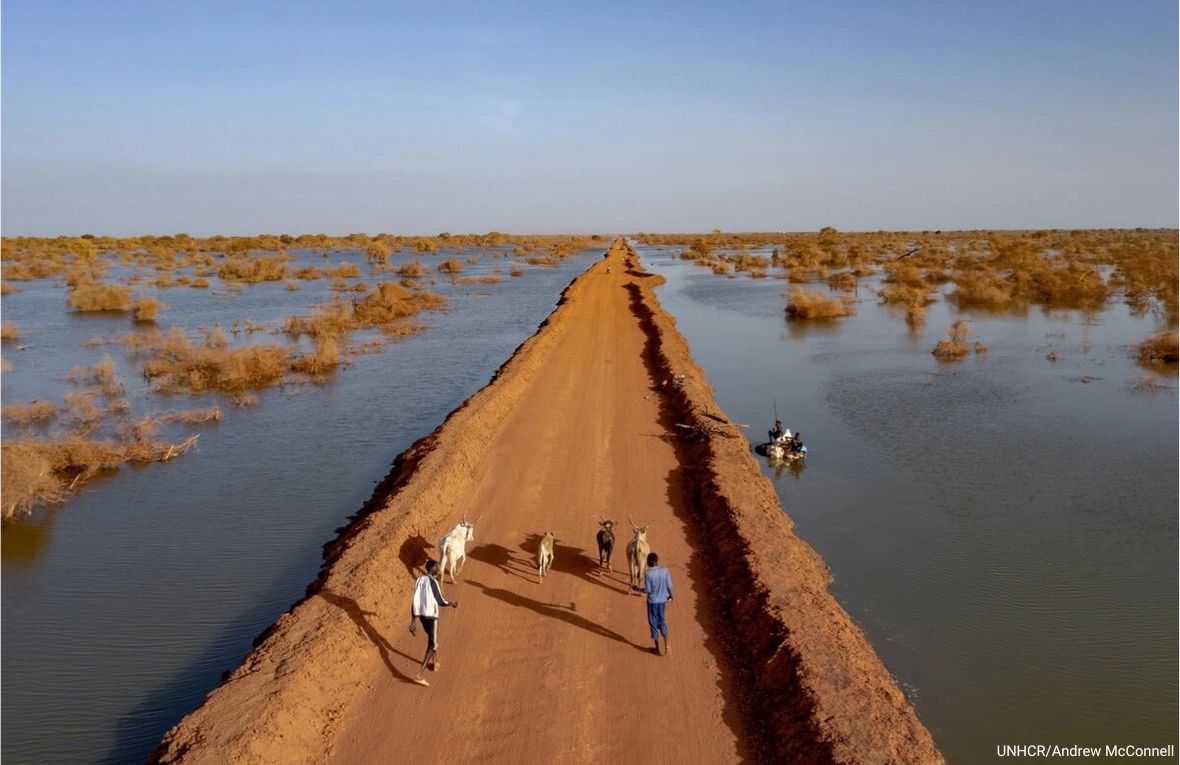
452,548
545,555
637,550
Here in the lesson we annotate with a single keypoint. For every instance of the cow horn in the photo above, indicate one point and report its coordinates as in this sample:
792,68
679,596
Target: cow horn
633,526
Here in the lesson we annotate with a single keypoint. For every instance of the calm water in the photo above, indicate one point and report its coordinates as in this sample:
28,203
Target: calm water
122,608
1005,533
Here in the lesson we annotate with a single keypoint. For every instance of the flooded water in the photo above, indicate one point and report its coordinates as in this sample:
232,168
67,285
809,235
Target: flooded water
122,608
1005,533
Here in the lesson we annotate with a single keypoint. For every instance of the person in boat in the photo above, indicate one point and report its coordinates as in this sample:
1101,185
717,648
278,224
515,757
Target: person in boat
780,435
796,443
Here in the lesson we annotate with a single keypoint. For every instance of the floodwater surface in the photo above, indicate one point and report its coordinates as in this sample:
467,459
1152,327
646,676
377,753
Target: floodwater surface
122,608
1003,528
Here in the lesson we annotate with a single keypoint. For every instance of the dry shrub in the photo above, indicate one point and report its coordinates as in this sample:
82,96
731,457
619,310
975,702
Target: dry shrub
9,330
339,285
35,412
904,272
758,274
181,366
413,268
391,301
515,272
906,294
325,358
1161,348
28,479
343,271
954,347
450,267
7,289
721,267
842,280
245,399
42,471
199,283
377,252
89,296
748,262
806,304
308,274
146,308
243,268
982,289
102,375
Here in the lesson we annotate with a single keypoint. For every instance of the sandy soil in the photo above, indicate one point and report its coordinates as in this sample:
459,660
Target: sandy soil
765,665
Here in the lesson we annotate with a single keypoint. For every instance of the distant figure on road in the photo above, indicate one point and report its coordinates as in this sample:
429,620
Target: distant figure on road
657,583
427,600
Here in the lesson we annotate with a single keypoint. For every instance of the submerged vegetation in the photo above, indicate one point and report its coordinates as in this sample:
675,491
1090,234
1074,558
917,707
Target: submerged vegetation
1008,272
806,304
1160,349
51,447
1004,271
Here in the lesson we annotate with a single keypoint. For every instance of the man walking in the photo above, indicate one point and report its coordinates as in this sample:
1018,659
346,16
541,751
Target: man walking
657,583
427,600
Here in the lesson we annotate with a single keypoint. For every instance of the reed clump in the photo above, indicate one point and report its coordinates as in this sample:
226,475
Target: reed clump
809,305
9,331
450,267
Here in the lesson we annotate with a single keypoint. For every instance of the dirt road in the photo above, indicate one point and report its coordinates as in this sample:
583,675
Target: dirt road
765,665
562,671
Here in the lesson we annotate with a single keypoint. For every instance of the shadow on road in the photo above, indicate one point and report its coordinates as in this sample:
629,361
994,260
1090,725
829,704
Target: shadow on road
565,614
360,618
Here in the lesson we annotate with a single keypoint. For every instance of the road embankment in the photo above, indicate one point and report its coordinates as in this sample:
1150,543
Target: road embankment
772,668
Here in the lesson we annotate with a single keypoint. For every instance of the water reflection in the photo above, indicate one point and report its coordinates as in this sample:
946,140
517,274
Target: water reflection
23,540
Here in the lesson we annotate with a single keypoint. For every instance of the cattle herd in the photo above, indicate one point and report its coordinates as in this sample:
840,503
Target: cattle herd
452,549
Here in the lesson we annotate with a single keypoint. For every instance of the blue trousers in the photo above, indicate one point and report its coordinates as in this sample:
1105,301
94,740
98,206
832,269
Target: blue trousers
655,620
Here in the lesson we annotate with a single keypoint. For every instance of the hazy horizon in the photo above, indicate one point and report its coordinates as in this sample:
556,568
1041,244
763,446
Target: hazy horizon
128,118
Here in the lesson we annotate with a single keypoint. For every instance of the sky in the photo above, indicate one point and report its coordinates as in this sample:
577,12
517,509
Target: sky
245,117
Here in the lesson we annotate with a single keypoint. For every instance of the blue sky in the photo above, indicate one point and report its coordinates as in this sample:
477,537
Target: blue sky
245,117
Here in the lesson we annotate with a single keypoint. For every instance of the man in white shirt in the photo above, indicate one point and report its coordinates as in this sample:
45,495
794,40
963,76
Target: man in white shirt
424,607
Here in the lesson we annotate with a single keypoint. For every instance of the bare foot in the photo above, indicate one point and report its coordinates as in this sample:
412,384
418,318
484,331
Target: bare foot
421,681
